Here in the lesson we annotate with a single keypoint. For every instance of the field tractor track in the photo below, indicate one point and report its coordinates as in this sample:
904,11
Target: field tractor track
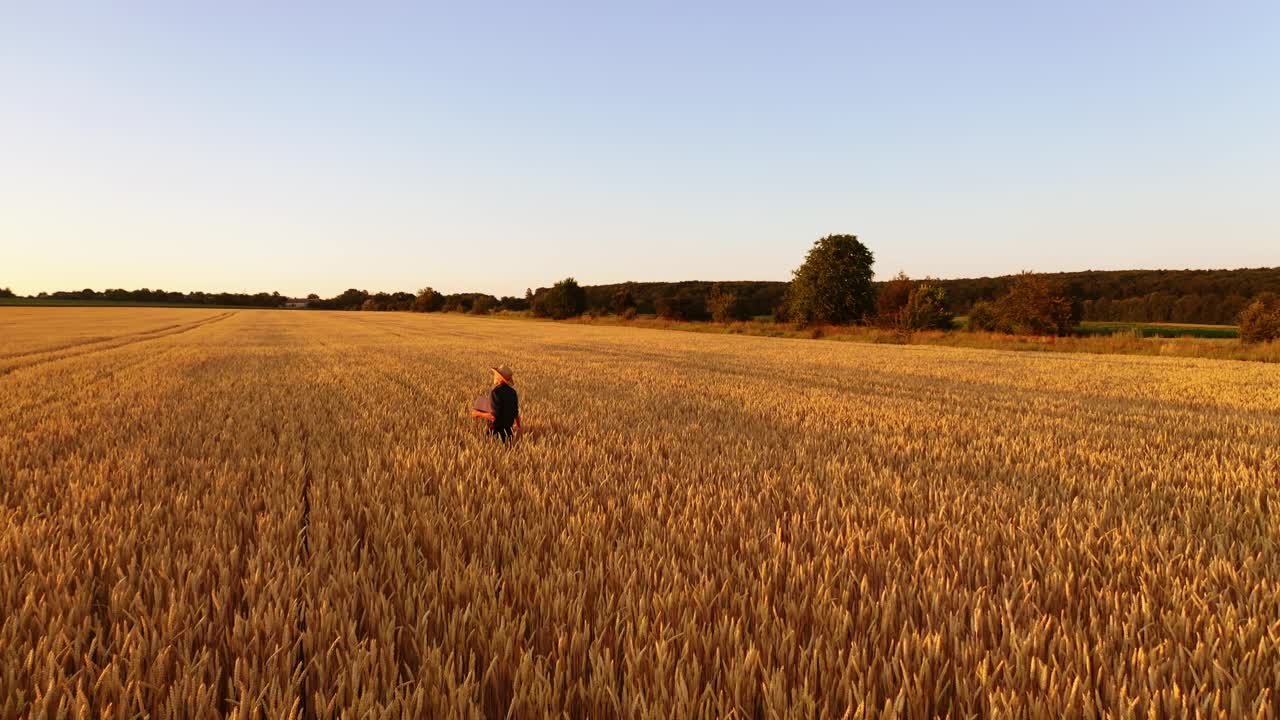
42,357
90,341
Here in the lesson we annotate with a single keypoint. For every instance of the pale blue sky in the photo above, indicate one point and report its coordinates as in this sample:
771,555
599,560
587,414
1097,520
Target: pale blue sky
490,146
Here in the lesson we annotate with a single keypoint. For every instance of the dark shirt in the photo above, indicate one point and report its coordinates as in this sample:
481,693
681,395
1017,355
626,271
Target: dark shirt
505,406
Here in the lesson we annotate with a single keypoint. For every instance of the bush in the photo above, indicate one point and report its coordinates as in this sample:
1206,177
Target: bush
1260,321
982,316
905,305
564,300
1033,306
834,285
891,298
483,305
926,309
725,305
629,313
782,312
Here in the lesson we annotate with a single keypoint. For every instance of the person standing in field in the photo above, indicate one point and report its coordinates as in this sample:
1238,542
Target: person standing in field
504,405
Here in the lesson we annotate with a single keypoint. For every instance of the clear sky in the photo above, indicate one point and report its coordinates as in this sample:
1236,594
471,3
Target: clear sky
311,147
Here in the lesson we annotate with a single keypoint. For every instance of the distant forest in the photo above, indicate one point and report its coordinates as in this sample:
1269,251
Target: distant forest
1213,297
163,297
1178,296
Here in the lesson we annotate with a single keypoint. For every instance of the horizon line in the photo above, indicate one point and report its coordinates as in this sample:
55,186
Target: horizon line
644,282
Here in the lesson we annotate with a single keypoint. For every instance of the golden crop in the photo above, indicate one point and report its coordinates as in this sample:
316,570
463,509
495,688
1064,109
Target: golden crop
267,514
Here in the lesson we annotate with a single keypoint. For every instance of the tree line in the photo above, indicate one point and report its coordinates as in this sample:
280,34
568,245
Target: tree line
426,300
1210,297
834,285
146,295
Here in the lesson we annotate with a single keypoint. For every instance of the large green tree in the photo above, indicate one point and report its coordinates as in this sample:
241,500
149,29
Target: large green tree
834,285
565,300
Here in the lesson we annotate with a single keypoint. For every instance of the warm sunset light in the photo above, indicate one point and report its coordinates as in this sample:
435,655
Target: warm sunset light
654,360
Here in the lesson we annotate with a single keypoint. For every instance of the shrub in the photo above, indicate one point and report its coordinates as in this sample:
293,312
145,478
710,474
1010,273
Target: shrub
1036,306
892,297
483,305
1260,321
905,305
834,285
782,312
982,316
926,309
724,305
1033,306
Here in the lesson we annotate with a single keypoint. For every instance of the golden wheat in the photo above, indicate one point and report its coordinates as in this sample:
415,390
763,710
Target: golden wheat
266,514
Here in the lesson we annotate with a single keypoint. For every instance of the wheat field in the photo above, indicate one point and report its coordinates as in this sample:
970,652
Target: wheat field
269,514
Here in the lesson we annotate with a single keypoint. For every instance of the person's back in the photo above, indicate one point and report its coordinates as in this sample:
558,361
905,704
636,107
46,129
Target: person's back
503,412
505,404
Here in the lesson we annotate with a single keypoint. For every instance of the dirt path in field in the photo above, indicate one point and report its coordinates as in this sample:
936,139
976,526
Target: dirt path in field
18,361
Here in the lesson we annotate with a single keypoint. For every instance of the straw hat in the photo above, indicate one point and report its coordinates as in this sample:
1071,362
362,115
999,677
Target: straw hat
505,372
